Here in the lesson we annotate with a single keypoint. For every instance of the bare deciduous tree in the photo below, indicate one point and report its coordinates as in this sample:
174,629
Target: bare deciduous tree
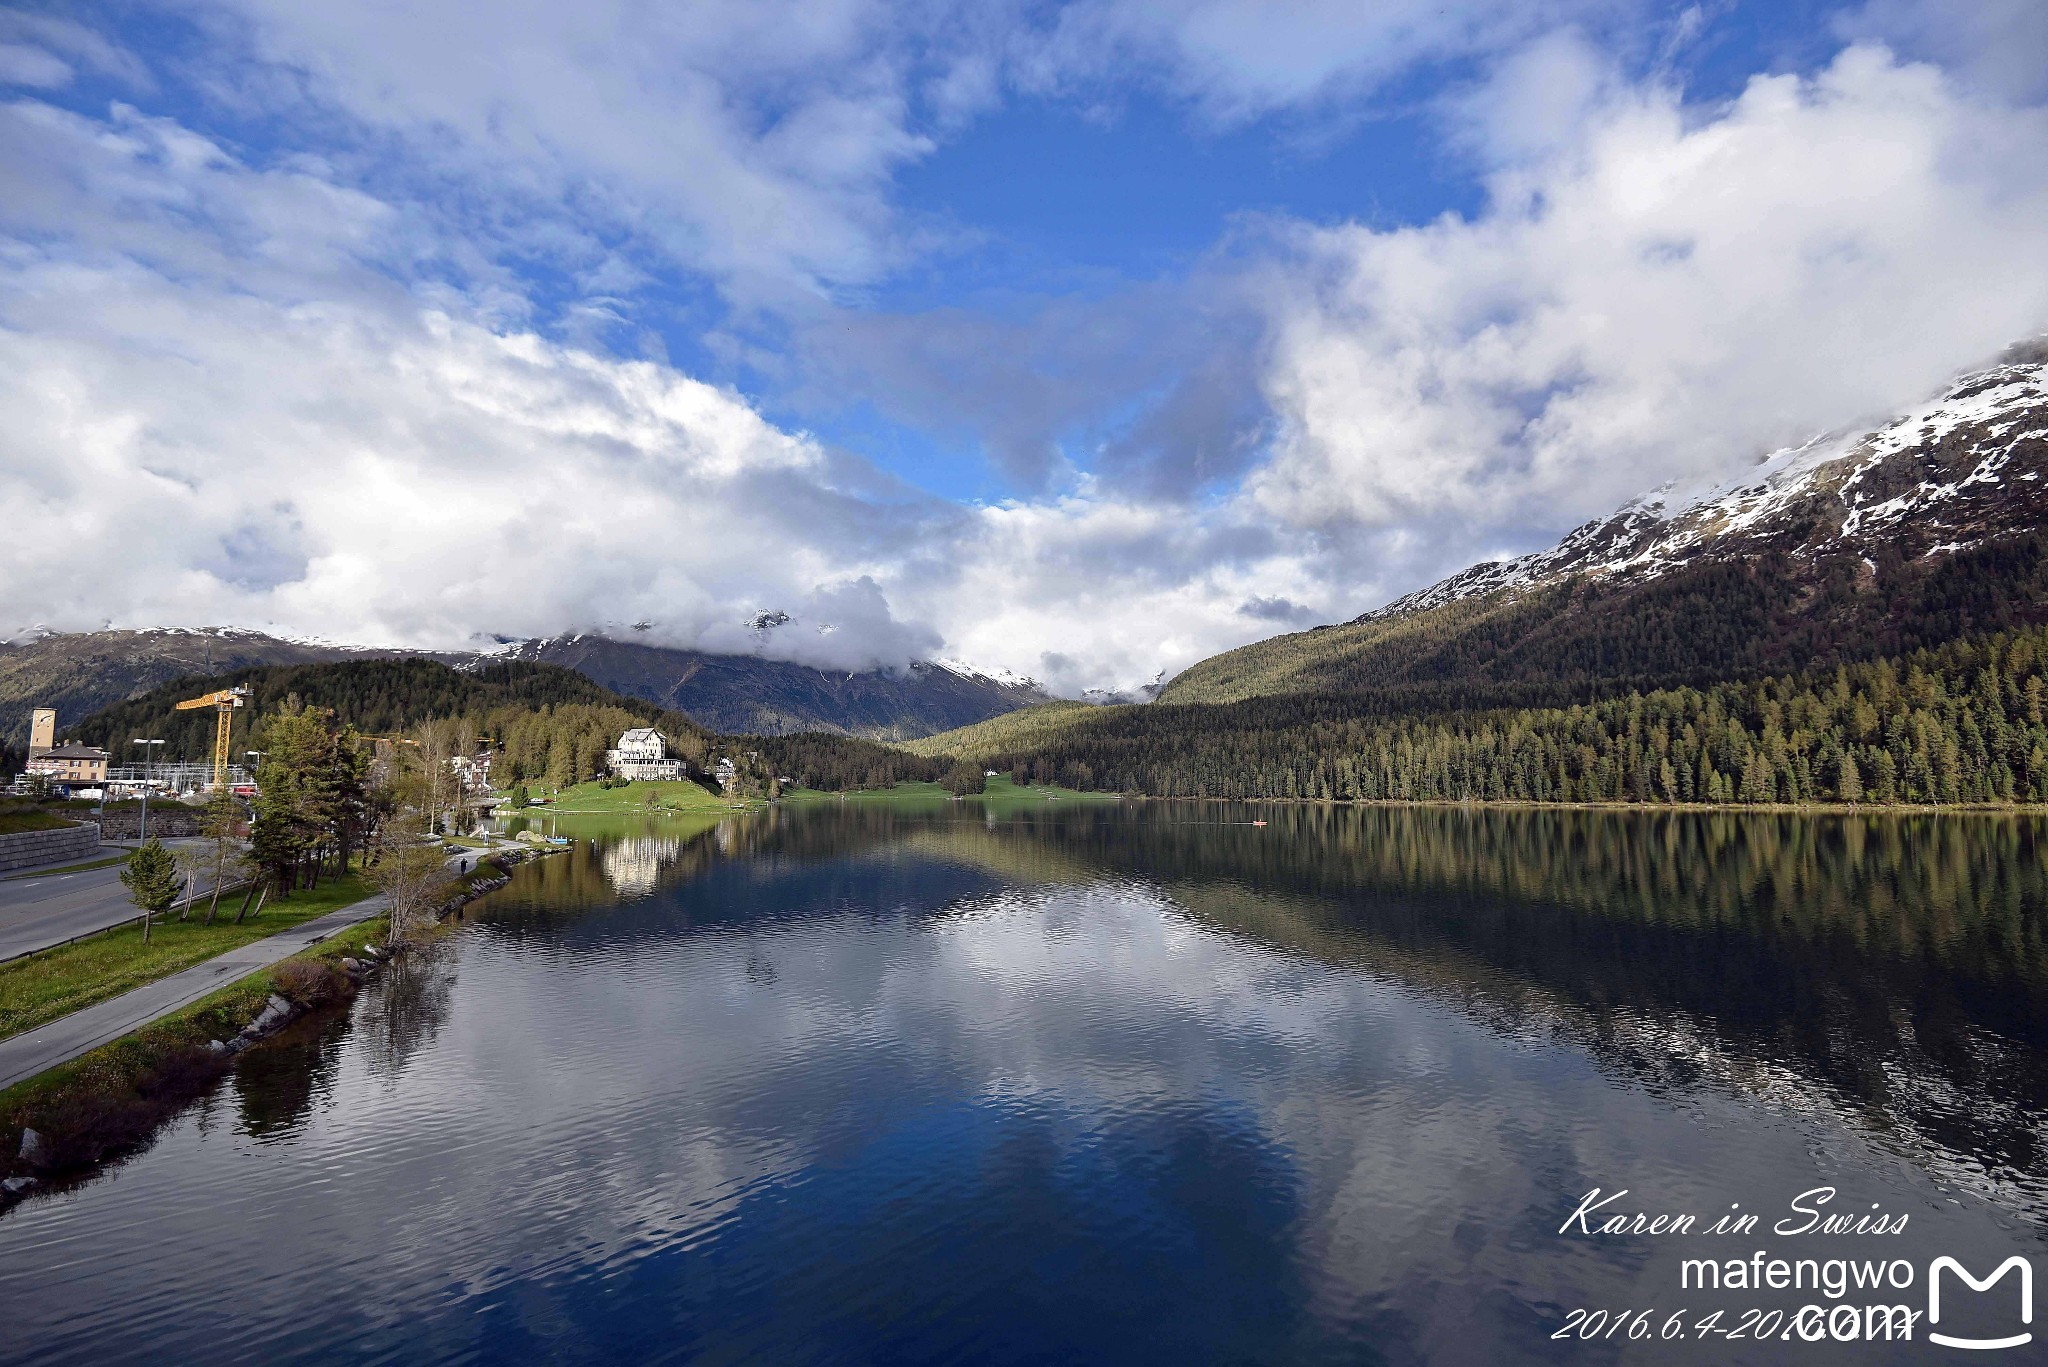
221,859
405,862
411,874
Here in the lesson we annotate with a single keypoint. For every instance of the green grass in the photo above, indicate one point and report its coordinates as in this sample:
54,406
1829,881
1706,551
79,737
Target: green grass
903,794
44,987
1003,795
13,823
683,821
680,796
112,1080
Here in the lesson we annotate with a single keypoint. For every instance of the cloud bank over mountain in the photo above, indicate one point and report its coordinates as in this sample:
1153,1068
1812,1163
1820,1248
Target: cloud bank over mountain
416,327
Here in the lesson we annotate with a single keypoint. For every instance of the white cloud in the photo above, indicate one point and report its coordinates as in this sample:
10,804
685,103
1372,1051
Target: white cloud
1653,291
1241,59
243,389
1999,45
222,411
758,140
1094,590
43,51
754,142
199,434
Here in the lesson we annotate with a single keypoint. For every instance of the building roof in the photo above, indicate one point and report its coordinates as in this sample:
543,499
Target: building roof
74,752
643,734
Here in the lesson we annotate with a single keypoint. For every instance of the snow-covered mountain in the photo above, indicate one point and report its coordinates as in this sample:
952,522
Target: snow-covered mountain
1877,541
1950,474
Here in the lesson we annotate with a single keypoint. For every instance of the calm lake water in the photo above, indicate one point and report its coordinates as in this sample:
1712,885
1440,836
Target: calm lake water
1138,1083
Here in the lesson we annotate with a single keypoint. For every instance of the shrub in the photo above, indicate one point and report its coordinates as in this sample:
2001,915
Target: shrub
305,982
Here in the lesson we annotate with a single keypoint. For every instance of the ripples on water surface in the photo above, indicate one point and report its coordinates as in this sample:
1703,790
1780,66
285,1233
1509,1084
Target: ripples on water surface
1106,1085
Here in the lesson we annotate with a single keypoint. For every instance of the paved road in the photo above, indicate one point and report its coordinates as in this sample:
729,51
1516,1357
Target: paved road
48,909
63,1040
39,910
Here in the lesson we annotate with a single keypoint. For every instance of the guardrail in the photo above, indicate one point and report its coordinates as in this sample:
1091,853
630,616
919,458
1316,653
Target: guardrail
187,902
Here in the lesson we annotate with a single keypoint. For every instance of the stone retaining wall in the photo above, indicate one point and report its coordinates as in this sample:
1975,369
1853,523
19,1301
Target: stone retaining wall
24,848
166,819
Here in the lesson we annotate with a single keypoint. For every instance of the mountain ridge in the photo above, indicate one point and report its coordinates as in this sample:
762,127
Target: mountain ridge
1880,541
82,673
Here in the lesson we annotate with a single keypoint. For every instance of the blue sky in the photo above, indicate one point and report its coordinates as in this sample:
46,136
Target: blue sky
1079,340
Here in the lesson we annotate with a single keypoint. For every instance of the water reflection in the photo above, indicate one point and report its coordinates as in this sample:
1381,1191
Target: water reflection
1136,1084
633,865
276,1088
411,1002
1891,968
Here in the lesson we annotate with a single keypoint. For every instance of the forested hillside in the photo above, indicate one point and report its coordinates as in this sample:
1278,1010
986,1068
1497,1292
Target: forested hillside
835,763
1960,723
1705,623
536,710
79,673
1851,547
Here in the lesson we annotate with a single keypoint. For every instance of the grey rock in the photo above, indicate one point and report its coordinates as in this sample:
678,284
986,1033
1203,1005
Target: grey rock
277,1003
33,1150
214,1046
15,1186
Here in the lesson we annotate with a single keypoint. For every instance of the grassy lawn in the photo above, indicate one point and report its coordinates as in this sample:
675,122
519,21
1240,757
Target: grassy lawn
14,822
902,795
56,982
1005,796
112,1080
634,797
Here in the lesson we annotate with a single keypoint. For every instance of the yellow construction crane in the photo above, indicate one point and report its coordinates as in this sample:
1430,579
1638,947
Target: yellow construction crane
224,702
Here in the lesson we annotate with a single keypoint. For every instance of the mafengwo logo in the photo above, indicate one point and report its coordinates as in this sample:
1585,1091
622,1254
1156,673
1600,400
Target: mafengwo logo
2013,1264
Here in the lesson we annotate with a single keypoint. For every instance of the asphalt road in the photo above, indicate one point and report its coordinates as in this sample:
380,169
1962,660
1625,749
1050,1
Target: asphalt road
45,910
39,910
30,1053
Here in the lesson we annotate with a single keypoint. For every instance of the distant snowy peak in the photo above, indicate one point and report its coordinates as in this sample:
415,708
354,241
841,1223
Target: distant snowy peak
1004,678
1965,468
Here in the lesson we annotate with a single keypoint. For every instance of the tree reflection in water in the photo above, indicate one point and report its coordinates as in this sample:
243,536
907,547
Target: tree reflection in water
402,1011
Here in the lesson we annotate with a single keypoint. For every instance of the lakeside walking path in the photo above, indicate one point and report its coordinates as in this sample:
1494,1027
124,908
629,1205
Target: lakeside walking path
60,1041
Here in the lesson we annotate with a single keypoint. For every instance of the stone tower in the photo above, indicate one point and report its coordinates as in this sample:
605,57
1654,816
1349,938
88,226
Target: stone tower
42,731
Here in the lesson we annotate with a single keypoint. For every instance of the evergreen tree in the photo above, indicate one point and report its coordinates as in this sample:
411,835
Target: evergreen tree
151,877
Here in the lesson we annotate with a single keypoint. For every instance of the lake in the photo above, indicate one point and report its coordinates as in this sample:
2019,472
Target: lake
1117,1083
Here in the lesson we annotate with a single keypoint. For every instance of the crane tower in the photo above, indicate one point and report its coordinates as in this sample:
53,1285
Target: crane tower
224,703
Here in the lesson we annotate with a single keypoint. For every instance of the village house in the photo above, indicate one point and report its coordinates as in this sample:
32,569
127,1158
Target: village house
473,772
71,764
642,754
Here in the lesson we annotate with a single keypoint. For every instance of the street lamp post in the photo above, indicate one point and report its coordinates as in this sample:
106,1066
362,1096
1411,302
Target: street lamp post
148,773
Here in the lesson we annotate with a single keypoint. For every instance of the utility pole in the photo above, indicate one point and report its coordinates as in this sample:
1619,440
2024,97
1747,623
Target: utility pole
148,775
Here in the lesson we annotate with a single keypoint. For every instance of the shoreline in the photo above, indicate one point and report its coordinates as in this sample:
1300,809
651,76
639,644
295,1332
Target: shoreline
97,1108
1751,808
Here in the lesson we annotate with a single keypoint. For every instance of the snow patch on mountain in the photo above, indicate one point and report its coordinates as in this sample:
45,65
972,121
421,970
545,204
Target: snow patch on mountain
1942,468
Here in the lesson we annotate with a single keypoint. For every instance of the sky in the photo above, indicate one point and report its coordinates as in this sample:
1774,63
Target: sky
1079,341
